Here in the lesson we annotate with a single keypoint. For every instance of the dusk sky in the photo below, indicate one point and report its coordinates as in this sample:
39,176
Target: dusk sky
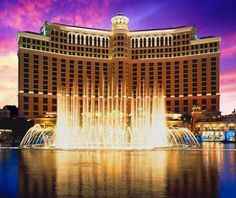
211,18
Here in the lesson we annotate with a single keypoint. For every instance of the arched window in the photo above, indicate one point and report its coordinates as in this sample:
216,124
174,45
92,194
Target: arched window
153,42
158,41
144,42
82,40
70,41
90,40
95,41
170,40
99,40
166,41
73,38
149,42
162,42
103,42
132,42
78,39
136,42
107,42
141,42
86,40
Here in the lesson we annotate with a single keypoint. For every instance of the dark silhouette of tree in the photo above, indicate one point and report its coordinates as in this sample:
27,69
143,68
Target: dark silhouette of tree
187,119
13,110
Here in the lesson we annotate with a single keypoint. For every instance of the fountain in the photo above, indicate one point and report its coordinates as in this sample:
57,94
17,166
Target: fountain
109,121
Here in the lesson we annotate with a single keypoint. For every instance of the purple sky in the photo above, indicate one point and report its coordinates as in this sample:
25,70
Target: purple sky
217,18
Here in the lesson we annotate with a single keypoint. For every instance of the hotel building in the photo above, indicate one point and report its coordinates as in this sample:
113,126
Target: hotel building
186,66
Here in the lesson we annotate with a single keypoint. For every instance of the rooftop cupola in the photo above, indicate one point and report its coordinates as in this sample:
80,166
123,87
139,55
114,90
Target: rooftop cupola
120,23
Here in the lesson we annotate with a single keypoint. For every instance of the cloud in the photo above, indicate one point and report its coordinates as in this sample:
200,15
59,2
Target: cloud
9,59
8,45
228,76
30,14
229,52
228,46
228,82
228,88
24,13
87,13
9,76
228,92
227,102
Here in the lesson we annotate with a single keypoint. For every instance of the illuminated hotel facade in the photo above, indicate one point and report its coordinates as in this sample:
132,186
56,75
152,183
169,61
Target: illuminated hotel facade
133,62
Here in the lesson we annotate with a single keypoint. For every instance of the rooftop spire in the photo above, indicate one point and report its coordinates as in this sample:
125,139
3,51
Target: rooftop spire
120,22
120,13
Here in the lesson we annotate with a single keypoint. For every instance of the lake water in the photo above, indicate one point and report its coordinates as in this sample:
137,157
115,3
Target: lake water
209,171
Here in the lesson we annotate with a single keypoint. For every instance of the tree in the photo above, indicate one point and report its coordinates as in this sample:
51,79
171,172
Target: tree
13,110
187,119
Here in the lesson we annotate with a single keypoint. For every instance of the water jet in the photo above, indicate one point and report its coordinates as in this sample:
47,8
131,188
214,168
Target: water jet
110,121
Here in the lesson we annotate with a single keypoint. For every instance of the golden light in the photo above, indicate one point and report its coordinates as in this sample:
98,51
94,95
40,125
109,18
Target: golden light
110,121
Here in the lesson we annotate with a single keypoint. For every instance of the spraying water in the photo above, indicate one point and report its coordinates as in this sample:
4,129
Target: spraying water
110,121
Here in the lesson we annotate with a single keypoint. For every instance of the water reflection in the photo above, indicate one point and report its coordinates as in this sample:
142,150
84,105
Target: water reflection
119,173
209,172
92,174
8,174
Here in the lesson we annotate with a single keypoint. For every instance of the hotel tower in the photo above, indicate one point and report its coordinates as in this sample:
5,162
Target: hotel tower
130,61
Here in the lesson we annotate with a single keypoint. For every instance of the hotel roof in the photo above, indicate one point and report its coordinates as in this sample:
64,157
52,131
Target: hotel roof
106,31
